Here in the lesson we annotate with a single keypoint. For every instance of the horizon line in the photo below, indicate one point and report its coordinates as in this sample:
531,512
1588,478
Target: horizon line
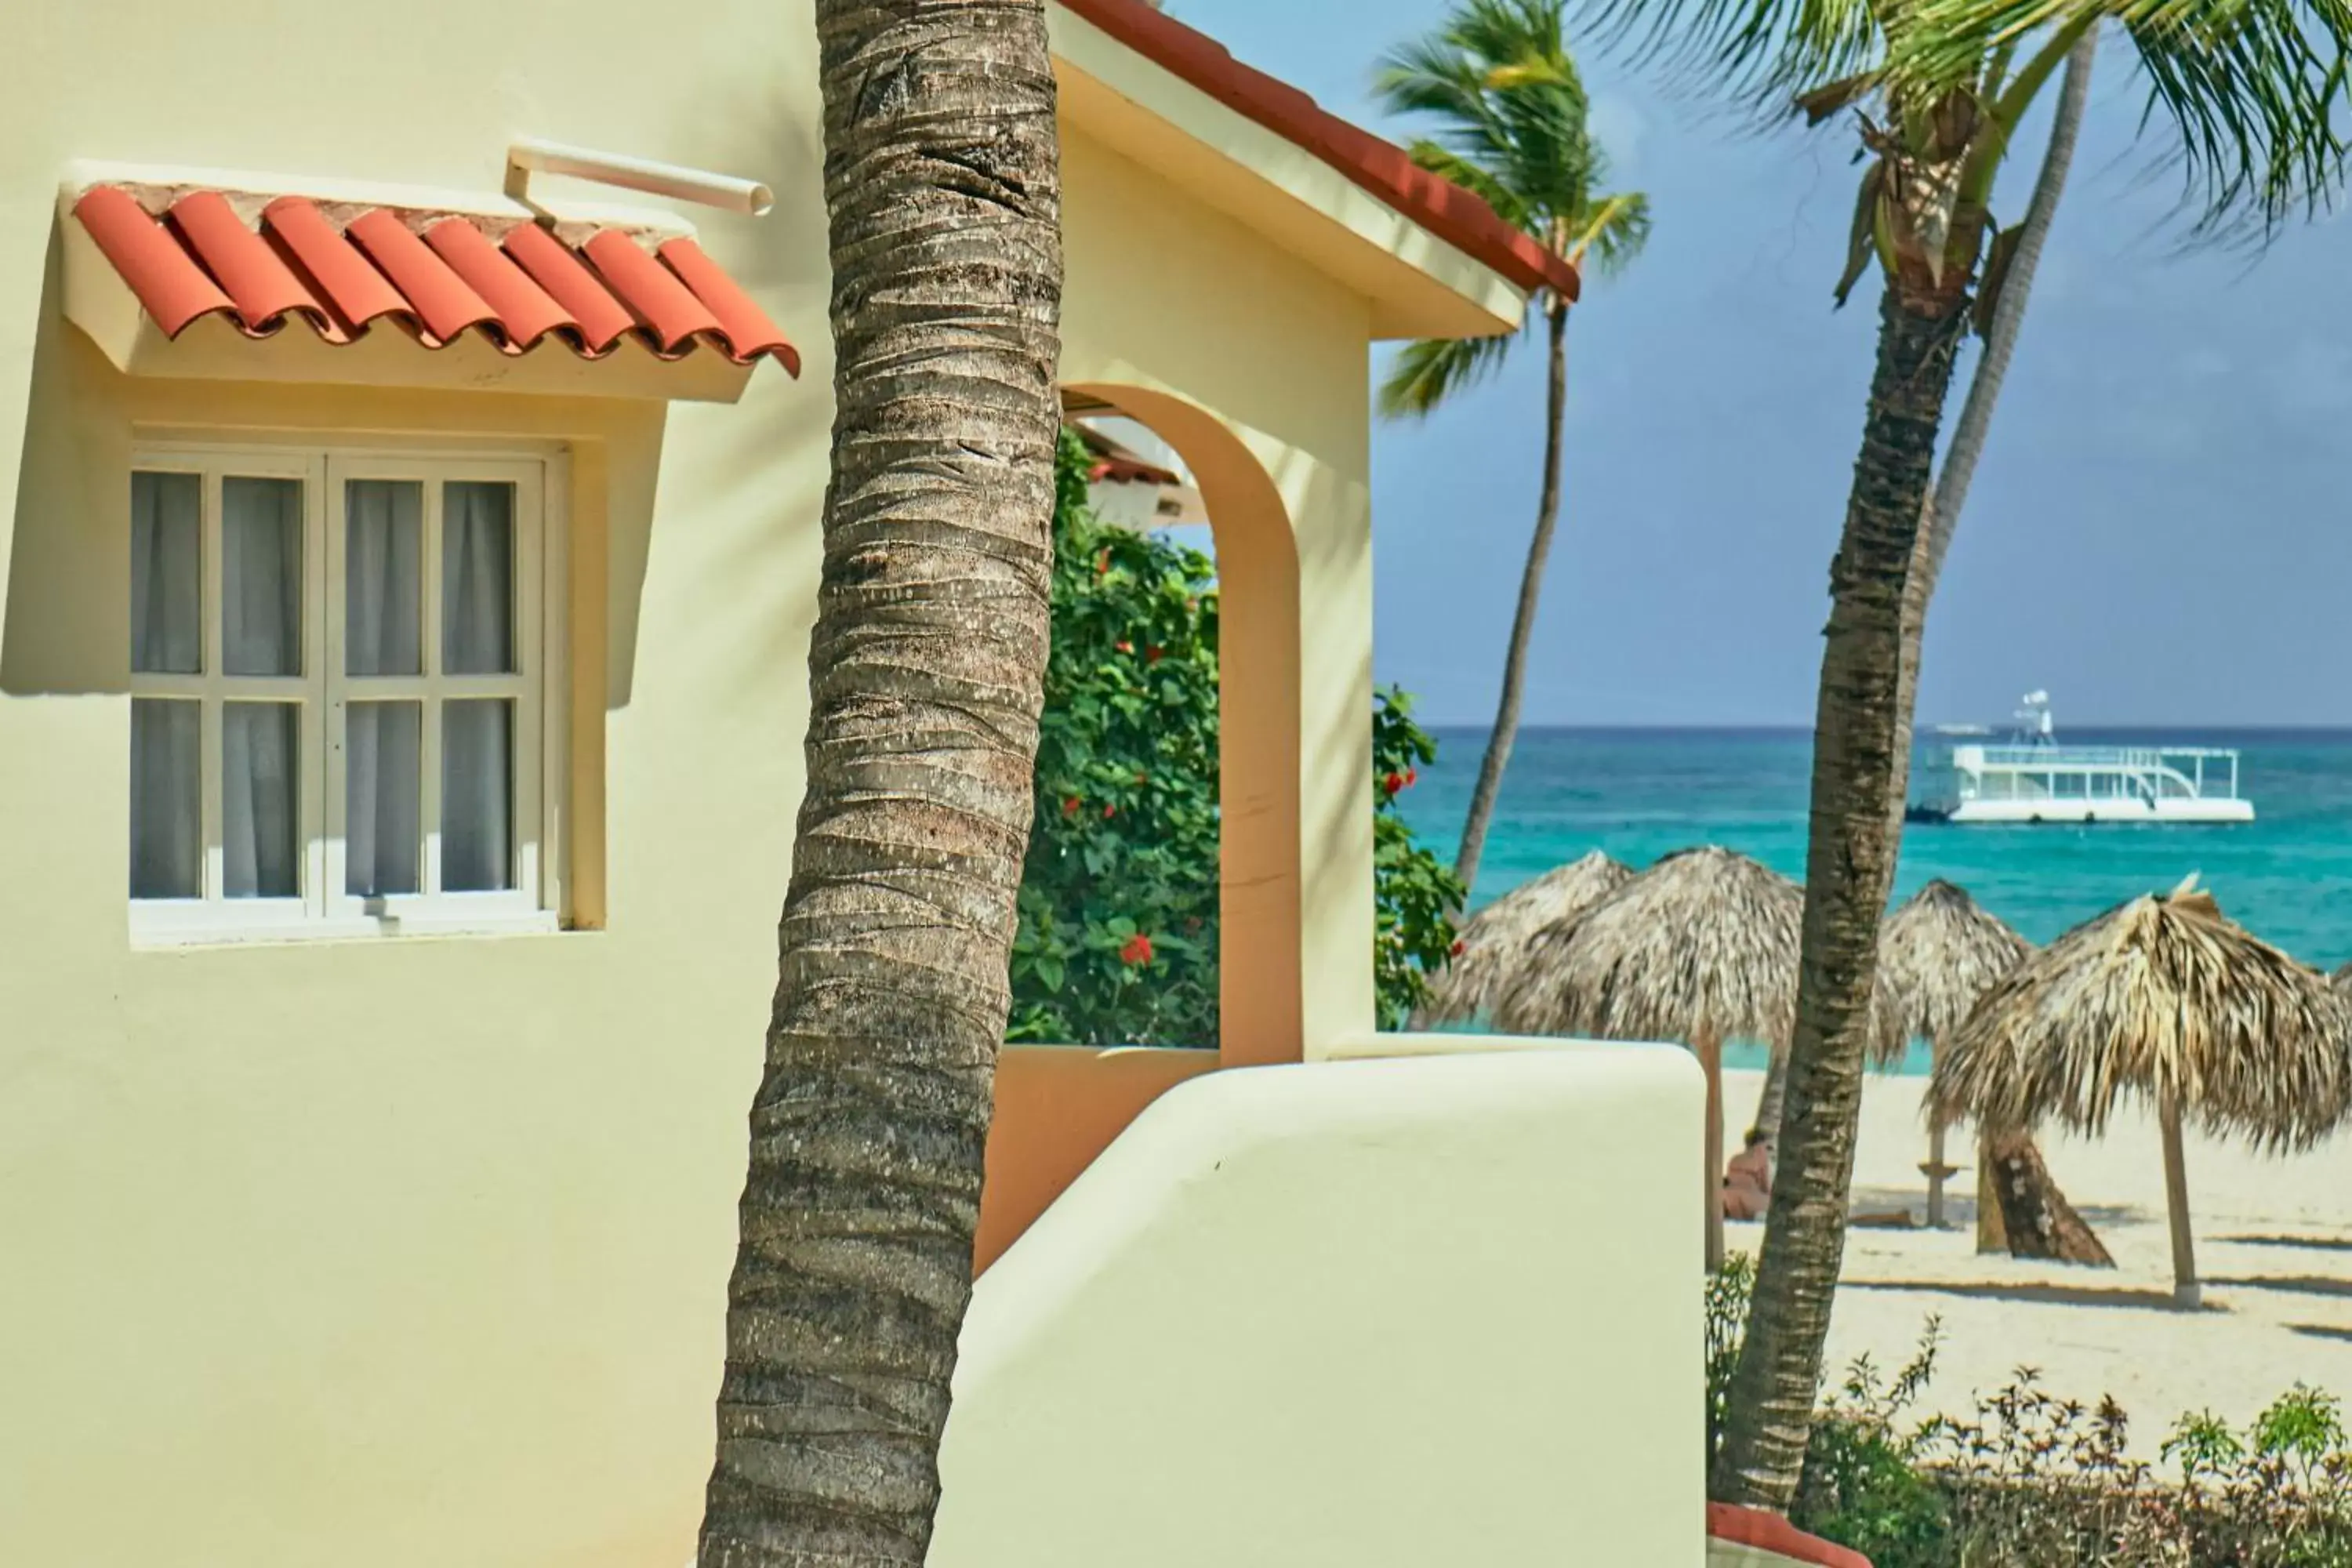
2313,726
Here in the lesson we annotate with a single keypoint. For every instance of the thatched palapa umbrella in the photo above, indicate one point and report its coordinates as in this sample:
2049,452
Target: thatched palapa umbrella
1496,940
2166,1000
1701,948
1940,953
2342,978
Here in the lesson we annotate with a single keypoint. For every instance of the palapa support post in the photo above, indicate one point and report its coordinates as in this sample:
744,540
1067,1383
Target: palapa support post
1936,1172
2186,1292
1710,1057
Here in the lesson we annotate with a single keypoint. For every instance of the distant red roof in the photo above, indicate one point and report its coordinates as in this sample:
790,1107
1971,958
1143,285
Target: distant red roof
1444,208
435,274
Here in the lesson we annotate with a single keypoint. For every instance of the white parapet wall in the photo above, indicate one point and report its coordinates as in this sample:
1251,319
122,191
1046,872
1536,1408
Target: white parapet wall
1402,1313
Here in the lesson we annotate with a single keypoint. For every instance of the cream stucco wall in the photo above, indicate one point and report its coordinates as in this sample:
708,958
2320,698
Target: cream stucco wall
413,1251
1379,1314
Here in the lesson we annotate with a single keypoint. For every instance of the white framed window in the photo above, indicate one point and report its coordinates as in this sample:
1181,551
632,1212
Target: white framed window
345,692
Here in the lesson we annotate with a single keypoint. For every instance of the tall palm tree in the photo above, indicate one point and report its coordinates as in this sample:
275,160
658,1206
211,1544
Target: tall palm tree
926,671
1512,119
1937,88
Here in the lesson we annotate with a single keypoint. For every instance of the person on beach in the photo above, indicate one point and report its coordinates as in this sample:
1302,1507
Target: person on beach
1747,1181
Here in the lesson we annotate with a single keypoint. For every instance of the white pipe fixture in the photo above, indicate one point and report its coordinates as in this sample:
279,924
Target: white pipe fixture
528,154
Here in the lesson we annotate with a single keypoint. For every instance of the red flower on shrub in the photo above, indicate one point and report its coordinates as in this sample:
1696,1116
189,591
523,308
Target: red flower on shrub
1412,777
1102,563
1070,805
1108,810
1137,951
1154,654
1460,947
1393,783
1124,647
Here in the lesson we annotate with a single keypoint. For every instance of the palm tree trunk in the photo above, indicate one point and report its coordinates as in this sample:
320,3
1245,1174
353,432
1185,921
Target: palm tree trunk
1523,623
2028,1215
1711,1059
1992,1228
1862,744
2186,1292
1772,1102
925,670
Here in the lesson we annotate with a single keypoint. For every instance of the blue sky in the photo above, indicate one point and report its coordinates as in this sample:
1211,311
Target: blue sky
2160,531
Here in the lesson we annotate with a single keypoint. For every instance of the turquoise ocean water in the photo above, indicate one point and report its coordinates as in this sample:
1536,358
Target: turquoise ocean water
1640,793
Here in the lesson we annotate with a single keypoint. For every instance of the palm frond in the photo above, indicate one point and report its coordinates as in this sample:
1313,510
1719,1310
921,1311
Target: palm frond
2253,92
1761,54
1500,93
1615,231
1429,372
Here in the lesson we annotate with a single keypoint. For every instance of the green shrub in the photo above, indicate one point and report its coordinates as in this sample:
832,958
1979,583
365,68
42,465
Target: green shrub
2031,1480
1117,935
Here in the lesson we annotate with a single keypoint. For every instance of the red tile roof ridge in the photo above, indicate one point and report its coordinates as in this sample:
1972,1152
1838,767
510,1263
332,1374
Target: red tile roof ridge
157,198
1382,168
261,261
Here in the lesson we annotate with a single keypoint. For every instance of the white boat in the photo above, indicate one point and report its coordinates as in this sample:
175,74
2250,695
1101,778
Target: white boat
2033,779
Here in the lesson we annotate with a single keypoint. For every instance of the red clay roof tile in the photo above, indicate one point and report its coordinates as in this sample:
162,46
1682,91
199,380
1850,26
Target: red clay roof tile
599,317
748,329
356,291
341,276
522,308
438,296
1444,208
651,289
255,277
166,279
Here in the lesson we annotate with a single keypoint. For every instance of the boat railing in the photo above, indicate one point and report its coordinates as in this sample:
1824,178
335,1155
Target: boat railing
2094,756
2160,770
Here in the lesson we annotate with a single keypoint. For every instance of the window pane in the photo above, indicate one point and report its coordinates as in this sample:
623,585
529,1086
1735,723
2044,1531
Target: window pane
166,802
261,576
477,796
260,802
477,578
382,781
384,572
167,628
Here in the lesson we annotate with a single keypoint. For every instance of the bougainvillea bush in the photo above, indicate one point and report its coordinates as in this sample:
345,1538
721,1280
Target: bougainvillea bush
1117,935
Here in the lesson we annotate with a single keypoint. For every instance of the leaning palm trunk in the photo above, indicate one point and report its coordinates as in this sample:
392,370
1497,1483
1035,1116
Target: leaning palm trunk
1523,623
2024,1211
926,668
1862,749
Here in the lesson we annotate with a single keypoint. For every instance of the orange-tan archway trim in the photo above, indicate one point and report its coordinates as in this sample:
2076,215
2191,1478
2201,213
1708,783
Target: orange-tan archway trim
1057,1107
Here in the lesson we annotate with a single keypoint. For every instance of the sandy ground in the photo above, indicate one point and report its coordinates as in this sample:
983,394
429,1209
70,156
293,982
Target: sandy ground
2274,1246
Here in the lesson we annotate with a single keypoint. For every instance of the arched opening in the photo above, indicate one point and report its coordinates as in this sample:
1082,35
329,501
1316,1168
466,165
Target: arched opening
1058,1106
1258,730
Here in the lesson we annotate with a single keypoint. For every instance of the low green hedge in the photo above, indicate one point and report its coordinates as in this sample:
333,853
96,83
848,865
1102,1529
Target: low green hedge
2031,1481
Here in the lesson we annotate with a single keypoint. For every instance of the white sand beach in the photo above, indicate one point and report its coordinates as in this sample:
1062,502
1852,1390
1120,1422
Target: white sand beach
2274,1246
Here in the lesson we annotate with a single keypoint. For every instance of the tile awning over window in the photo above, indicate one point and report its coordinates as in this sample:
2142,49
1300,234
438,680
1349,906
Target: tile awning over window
344,270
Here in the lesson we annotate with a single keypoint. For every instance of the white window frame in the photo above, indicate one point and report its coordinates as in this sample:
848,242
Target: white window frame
538,689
